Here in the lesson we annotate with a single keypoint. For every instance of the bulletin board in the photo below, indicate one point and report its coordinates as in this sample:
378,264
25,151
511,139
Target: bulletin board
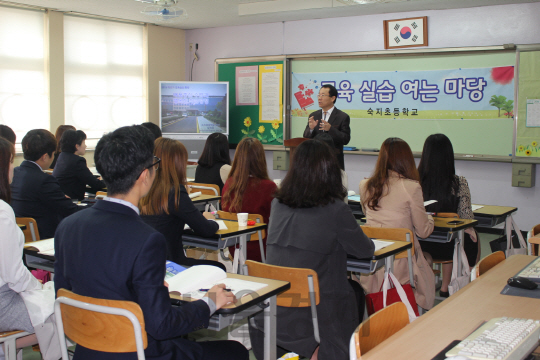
528,120
485,131
251,120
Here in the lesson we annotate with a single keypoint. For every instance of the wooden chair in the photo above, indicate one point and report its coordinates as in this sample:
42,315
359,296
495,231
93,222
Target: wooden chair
99,324
31,232
489,261
377,328
396,234
9,339
304,291
205,189
534,241
101,194
258,236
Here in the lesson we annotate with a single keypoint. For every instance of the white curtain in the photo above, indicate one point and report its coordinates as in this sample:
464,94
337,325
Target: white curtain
104,85
24,103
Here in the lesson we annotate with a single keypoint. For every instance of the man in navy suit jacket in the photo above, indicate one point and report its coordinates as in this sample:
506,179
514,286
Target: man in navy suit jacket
331,120
108,252
34,193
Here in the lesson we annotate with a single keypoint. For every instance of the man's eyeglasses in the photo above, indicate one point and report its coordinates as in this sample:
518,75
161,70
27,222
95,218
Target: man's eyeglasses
155,164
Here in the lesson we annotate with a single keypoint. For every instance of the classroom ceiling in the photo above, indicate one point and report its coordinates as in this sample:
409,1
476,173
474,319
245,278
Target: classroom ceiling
216,13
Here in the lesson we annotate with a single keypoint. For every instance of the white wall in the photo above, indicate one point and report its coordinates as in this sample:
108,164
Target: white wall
490,183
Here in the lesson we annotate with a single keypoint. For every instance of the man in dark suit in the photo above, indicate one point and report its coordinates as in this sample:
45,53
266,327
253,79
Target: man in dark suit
71,171
34,193
330,119
108,252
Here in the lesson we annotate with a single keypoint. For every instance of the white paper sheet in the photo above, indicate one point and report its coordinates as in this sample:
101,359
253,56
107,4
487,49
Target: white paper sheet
381,244
476,207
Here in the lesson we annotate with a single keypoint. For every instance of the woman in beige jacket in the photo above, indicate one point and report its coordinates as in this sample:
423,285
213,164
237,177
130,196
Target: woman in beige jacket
392,198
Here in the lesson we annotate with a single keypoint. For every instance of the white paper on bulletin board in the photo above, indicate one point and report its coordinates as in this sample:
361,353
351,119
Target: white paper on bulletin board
247,87
533,112
270,93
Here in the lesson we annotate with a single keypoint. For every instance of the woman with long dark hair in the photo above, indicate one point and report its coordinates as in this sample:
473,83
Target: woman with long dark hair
71,170
311,227
215,162
440,182
392,197
248,188
14,276
58,135
167,206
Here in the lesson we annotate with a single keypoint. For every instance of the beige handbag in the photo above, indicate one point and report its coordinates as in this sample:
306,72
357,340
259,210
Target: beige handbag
459,280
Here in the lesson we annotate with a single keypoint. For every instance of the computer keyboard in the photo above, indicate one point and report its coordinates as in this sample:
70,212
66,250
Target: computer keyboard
532,271
500,338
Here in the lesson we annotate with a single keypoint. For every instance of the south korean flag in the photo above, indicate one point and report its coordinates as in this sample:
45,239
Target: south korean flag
406,32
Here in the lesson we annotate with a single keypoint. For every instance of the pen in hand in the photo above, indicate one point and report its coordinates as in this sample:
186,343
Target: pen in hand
206,290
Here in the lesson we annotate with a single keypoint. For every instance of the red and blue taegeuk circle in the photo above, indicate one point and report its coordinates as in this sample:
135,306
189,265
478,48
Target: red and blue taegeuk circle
405,32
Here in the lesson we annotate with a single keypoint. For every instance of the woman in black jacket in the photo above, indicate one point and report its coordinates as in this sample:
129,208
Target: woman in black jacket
71,170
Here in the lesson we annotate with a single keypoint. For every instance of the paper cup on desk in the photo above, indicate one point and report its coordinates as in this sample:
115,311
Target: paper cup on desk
242,219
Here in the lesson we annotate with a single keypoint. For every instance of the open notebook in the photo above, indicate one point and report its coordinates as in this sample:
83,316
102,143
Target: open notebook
45,247
194,281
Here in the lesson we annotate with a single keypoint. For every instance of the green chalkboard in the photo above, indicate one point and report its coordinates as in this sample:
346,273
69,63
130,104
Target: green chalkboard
491,137
238,126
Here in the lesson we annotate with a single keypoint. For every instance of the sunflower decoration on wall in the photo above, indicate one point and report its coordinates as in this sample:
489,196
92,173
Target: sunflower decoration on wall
531,149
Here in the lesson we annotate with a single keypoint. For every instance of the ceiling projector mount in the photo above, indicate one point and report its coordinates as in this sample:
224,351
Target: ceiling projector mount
164,10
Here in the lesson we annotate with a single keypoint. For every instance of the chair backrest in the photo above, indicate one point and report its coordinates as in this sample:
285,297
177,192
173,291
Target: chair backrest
298,294
31,232
399,234
304,289
101,194
378,327
100,324
447,215
489,261
534,248
233,216
205,189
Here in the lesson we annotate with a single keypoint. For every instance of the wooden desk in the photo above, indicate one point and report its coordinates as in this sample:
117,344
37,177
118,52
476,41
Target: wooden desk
249,305
491,215
445,232
38,261
370,265
460,314
205,199
223,238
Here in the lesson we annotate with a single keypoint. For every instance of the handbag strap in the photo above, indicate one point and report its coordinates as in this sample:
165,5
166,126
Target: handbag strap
402,295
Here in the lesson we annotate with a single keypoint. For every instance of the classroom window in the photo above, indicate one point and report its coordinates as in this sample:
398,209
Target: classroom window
24,103
104,85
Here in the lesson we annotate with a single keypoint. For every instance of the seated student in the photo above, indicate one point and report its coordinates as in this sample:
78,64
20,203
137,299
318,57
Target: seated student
58,135
440,182
71,171
108,252
154,129
327,139
14,276
311,227
7,133
392,198
36,194
215,162
249,189
167,206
